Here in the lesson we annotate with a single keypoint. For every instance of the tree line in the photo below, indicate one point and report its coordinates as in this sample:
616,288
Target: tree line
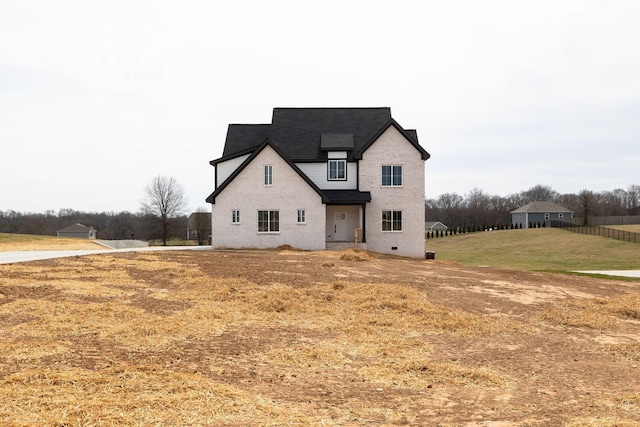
110,225
478,209
161,216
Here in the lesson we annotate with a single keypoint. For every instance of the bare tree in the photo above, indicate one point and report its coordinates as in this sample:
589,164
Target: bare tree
587,201
200,221
539,193
633,200
164,201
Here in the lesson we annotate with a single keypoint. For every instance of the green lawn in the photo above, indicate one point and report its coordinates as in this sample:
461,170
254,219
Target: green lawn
537,249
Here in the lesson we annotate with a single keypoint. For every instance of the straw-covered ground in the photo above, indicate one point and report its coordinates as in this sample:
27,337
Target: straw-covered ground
312,338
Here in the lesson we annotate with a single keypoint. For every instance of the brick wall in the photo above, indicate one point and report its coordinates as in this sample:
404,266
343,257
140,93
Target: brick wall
393,149
248,194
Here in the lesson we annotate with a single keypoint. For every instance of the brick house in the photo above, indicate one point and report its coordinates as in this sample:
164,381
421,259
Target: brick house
315,178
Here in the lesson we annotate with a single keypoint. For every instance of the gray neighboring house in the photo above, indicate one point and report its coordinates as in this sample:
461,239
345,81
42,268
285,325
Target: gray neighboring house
77,230
435,225
540,213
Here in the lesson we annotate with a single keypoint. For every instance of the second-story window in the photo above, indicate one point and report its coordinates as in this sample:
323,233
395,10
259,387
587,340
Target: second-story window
337,170
392,176
268,175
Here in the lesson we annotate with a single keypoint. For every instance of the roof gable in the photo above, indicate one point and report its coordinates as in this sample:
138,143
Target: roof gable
256,152
410,136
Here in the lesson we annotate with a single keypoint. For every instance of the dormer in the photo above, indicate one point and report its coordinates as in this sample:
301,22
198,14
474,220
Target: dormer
336,145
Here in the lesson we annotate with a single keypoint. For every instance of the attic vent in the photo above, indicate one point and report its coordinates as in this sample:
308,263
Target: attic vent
336,141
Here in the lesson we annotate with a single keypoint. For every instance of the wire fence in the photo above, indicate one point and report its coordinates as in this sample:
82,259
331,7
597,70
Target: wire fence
612,233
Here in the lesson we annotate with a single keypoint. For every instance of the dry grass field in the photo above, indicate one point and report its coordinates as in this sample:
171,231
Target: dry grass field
29,242
312,338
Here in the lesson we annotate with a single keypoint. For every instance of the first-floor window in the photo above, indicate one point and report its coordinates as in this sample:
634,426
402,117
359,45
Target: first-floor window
546,217
235,216
302,216
560,215
268,221
391,220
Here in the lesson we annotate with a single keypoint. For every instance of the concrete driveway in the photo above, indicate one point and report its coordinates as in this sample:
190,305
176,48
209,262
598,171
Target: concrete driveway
26,256
623,273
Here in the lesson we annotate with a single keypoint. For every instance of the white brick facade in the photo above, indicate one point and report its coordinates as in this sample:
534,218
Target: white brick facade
248,194
328,162
392,148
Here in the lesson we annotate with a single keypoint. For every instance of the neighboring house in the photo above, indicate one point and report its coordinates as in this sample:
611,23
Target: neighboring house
435,225
539,213
316,177
199,223
77,230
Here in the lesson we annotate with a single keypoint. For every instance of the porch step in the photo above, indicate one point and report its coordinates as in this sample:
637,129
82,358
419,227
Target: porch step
337,246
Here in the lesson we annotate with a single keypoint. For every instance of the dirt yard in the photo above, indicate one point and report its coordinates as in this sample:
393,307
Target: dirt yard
312,338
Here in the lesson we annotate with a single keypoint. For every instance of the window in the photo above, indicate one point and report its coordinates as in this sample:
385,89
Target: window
391,176
391,220
546,217
560,215
235,216
268,221
268,175
302,216
337,170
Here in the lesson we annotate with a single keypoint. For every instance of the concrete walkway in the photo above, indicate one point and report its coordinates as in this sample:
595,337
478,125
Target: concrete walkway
623,273
26,256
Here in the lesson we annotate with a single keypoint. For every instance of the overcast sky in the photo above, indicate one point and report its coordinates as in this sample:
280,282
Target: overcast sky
97,97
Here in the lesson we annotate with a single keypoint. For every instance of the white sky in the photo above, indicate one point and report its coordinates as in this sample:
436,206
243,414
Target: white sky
97,97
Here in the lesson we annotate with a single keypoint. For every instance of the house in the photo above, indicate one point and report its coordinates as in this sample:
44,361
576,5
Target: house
319,178
77,230
435,225
198,225
540,212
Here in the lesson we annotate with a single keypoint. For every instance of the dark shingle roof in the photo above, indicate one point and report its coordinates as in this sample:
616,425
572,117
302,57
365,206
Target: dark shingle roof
298,132
244,137
347,197
541,207
336,141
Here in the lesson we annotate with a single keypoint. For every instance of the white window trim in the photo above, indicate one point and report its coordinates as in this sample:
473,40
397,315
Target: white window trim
304,216
236,220
382,221
344,161
268,182
268,221
392,185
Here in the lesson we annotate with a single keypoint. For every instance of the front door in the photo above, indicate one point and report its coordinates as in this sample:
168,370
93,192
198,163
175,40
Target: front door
340,230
